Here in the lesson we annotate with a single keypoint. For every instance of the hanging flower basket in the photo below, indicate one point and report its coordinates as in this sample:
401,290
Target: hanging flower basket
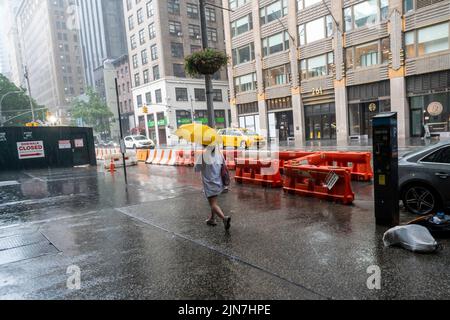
206,62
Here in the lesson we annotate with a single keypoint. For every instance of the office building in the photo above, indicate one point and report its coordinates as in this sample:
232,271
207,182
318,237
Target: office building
160,34
51,52
320,70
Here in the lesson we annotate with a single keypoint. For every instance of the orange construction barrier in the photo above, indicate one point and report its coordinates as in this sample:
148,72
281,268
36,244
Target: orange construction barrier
259,172
327,183
142,155
179,158
230,158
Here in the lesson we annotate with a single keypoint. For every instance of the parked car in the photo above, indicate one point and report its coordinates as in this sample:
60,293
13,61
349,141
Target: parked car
241,138
425,179
139,142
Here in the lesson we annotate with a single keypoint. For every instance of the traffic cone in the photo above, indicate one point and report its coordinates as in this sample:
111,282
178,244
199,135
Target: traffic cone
112,166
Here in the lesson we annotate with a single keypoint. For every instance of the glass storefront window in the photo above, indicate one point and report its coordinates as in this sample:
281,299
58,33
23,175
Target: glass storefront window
432,110
320,122
361,114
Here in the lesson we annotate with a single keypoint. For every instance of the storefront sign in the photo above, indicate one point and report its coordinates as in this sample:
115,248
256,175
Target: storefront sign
27,135
372,107
435,109
162,123
79,143
64,144
151,124
2,136
30,150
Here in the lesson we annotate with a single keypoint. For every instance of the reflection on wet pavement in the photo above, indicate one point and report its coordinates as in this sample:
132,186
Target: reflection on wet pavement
148,240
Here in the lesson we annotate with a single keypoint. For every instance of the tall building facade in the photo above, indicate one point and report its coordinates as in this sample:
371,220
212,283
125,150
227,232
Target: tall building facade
51,53
320,70
102,33
12,43
122,68
160,33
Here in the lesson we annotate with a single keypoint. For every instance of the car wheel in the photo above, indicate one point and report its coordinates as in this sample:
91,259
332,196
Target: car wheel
420,199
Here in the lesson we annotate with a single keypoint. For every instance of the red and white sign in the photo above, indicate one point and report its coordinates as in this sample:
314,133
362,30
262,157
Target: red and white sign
79,143
64,144
31,150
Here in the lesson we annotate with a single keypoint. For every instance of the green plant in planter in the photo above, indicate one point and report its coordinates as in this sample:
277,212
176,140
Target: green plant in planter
206,62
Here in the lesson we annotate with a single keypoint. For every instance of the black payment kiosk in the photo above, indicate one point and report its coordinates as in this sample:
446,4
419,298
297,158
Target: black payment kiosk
385,162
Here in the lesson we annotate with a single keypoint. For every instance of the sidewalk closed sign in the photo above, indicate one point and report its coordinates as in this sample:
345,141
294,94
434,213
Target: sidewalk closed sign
30,150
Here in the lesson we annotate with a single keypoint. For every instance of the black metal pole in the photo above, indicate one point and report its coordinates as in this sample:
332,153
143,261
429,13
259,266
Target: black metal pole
122,143
208,81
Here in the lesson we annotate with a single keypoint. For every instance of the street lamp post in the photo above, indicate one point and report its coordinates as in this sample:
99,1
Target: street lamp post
29,94
208,81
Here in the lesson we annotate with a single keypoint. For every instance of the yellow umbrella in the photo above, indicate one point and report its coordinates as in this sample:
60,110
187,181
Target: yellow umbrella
198,133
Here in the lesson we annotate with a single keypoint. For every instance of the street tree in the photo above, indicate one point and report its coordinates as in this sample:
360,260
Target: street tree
15,109
93,112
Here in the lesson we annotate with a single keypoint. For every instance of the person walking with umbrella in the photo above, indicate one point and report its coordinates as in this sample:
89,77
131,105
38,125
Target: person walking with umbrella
211,164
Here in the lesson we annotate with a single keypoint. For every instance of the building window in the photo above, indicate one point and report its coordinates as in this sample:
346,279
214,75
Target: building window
151,31
177,50
178,70
210,14
217,95
200,95
365,14
241,25
276,43
192,11
137,80
130,23
129,5
158,96
245,83
302,4
142,37
154,52
273,11
243,54
175,28
369,54
277,76
144,57
315,30
135,61
156,75
150,9
133,42
139,101
173,6
140,16
212,34
319,66
148,98
181,94
427,40
146,77
237,3
194,31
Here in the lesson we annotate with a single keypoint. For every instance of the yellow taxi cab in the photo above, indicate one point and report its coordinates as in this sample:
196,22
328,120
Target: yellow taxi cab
241,138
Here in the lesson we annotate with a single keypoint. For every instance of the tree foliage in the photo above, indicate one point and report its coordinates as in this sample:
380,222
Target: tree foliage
93,111
15,107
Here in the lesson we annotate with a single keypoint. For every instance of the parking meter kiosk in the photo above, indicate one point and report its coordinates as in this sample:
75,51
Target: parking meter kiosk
385,158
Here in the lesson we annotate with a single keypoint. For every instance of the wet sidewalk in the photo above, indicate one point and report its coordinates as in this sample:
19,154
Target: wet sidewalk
149,241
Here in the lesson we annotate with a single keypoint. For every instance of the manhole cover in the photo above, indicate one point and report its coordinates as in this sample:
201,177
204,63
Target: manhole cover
24,246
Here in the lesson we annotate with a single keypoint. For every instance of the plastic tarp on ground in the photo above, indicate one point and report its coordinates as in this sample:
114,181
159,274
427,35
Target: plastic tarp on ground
412,237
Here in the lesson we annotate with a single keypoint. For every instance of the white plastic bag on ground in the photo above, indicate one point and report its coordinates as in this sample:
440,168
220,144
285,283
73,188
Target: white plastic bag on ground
412,237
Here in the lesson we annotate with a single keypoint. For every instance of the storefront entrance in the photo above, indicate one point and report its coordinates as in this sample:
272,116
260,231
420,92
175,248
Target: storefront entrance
320,122
281,125
361,114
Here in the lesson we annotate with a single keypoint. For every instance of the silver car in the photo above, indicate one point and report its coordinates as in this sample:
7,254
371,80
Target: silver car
425,179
